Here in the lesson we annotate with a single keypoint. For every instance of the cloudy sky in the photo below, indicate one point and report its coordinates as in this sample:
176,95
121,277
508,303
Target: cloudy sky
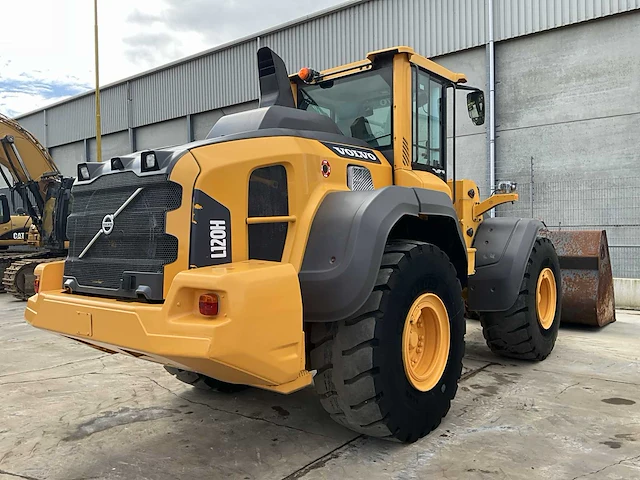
46,46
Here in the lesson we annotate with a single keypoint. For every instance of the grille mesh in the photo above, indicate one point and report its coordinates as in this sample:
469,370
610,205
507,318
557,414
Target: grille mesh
359,178
138,242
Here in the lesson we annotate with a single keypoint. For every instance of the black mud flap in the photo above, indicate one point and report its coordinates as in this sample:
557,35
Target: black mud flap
503,246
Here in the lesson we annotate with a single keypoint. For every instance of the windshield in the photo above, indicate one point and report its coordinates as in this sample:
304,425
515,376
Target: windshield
359,104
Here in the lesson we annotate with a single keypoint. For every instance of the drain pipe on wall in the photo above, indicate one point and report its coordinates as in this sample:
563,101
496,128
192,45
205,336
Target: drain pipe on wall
492,97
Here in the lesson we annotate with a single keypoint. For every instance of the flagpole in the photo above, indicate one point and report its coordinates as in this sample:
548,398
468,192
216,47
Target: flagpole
98,123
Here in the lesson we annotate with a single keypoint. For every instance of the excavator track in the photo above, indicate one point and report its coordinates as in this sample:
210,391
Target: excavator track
6,259
16,273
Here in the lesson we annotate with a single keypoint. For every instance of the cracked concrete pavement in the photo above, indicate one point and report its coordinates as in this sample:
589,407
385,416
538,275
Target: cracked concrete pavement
69,412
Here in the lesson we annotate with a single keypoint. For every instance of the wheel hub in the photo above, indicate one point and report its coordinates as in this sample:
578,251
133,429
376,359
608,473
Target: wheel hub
426,342
546,298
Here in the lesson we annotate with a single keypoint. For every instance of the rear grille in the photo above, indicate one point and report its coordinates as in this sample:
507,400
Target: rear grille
138,242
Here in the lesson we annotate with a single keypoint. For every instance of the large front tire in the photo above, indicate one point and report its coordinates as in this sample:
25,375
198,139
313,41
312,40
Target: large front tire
529,329
393,369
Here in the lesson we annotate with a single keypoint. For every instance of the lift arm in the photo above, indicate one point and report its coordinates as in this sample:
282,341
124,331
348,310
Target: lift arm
492,202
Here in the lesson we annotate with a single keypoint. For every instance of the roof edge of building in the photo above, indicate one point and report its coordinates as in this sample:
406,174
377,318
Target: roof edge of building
239,41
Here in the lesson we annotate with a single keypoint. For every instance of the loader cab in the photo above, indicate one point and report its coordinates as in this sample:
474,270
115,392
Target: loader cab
396,101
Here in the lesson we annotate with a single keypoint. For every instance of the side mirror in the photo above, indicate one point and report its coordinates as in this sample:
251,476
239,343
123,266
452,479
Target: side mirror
475,106
5,214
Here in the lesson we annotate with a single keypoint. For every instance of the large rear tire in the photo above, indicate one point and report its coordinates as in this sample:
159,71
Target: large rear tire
202,382
392,370
529,329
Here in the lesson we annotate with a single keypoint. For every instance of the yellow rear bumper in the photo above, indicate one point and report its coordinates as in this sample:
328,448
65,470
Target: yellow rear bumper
256,338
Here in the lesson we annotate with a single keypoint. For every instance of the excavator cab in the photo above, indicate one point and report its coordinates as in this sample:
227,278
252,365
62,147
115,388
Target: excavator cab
14,229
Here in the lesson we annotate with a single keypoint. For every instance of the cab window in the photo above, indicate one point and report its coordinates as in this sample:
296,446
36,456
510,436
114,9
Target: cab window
428,123
360,104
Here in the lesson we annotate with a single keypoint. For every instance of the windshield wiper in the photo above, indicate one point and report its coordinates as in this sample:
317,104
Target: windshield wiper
307,98
374,139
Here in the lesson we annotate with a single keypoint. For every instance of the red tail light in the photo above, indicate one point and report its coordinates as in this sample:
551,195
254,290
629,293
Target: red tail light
36,284
209,304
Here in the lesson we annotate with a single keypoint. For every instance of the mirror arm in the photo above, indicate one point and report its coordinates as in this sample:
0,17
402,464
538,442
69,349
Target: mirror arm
471,89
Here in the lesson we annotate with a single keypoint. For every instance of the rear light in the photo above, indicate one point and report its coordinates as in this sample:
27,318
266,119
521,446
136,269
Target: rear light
208,305
36,284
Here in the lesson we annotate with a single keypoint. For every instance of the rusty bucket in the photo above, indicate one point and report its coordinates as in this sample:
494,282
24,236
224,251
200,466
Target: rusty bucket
587,281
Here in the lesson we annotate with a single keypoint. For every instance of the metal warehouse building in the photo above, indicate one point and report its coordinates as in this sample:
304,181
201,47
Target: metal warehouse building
566,76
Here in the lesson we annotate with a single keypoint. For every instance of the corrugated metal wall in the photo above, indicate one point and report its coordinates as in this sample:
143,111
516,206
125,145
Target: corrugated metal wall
515,18
227,76
224,78
75,120
35,124
430,27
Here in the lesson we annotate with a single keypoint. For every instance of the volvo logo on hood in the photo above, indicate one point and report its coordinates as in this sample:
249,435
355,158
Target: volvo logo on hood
107,224
355,153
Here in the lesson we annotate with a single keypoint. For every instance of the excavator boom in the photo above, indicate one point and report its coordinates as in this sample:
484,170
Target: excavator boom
28,169
24,145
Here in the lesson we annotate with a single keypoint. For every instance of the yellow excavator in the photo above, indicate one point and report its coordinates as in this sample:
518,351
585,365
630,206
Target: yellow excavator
29,172
317,239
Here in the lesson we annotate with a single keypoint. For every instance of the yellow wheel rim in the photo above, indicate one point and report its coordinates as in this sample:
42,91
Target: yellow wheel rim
546,298
426,342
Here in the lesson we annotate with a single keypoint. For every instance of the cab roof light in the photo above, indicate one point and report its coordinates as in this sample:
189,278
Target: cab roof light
116,164
149,162
83,172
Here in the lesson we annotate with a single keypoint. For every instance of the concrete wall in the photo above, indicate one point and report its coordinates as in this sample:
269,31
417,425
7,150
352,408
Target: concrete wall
627,293
569,99
470,139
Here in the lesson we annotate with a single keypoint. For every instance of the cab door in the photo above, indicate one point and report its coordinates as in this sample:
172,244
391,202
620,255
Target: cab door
5,220
428,129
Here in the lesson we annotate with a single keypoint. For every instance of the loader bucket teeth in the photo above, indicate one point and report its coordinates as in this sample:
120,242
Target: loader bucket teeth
587,281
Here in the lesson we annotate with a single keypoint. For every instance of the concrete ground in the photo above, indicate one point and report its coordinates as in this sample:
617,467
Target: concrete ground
70,412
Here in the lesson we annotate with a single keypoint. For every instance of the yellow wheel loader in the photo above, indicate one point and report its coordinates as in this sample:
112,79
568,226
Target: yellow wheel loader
30,172
313,240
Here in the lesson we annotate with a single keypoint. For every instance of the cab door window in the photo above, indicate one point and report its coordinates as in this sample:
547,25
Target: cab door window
428,123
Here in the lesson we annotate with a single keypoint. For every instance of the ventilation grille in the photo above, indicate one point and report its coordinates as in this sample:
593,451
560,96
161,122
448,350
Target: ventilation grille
138,242
405,153
359,178
268,197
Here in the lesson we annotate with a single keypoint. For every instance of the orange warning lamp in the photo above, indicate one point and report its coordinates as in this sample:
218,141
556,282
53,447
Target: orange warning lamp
308,75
